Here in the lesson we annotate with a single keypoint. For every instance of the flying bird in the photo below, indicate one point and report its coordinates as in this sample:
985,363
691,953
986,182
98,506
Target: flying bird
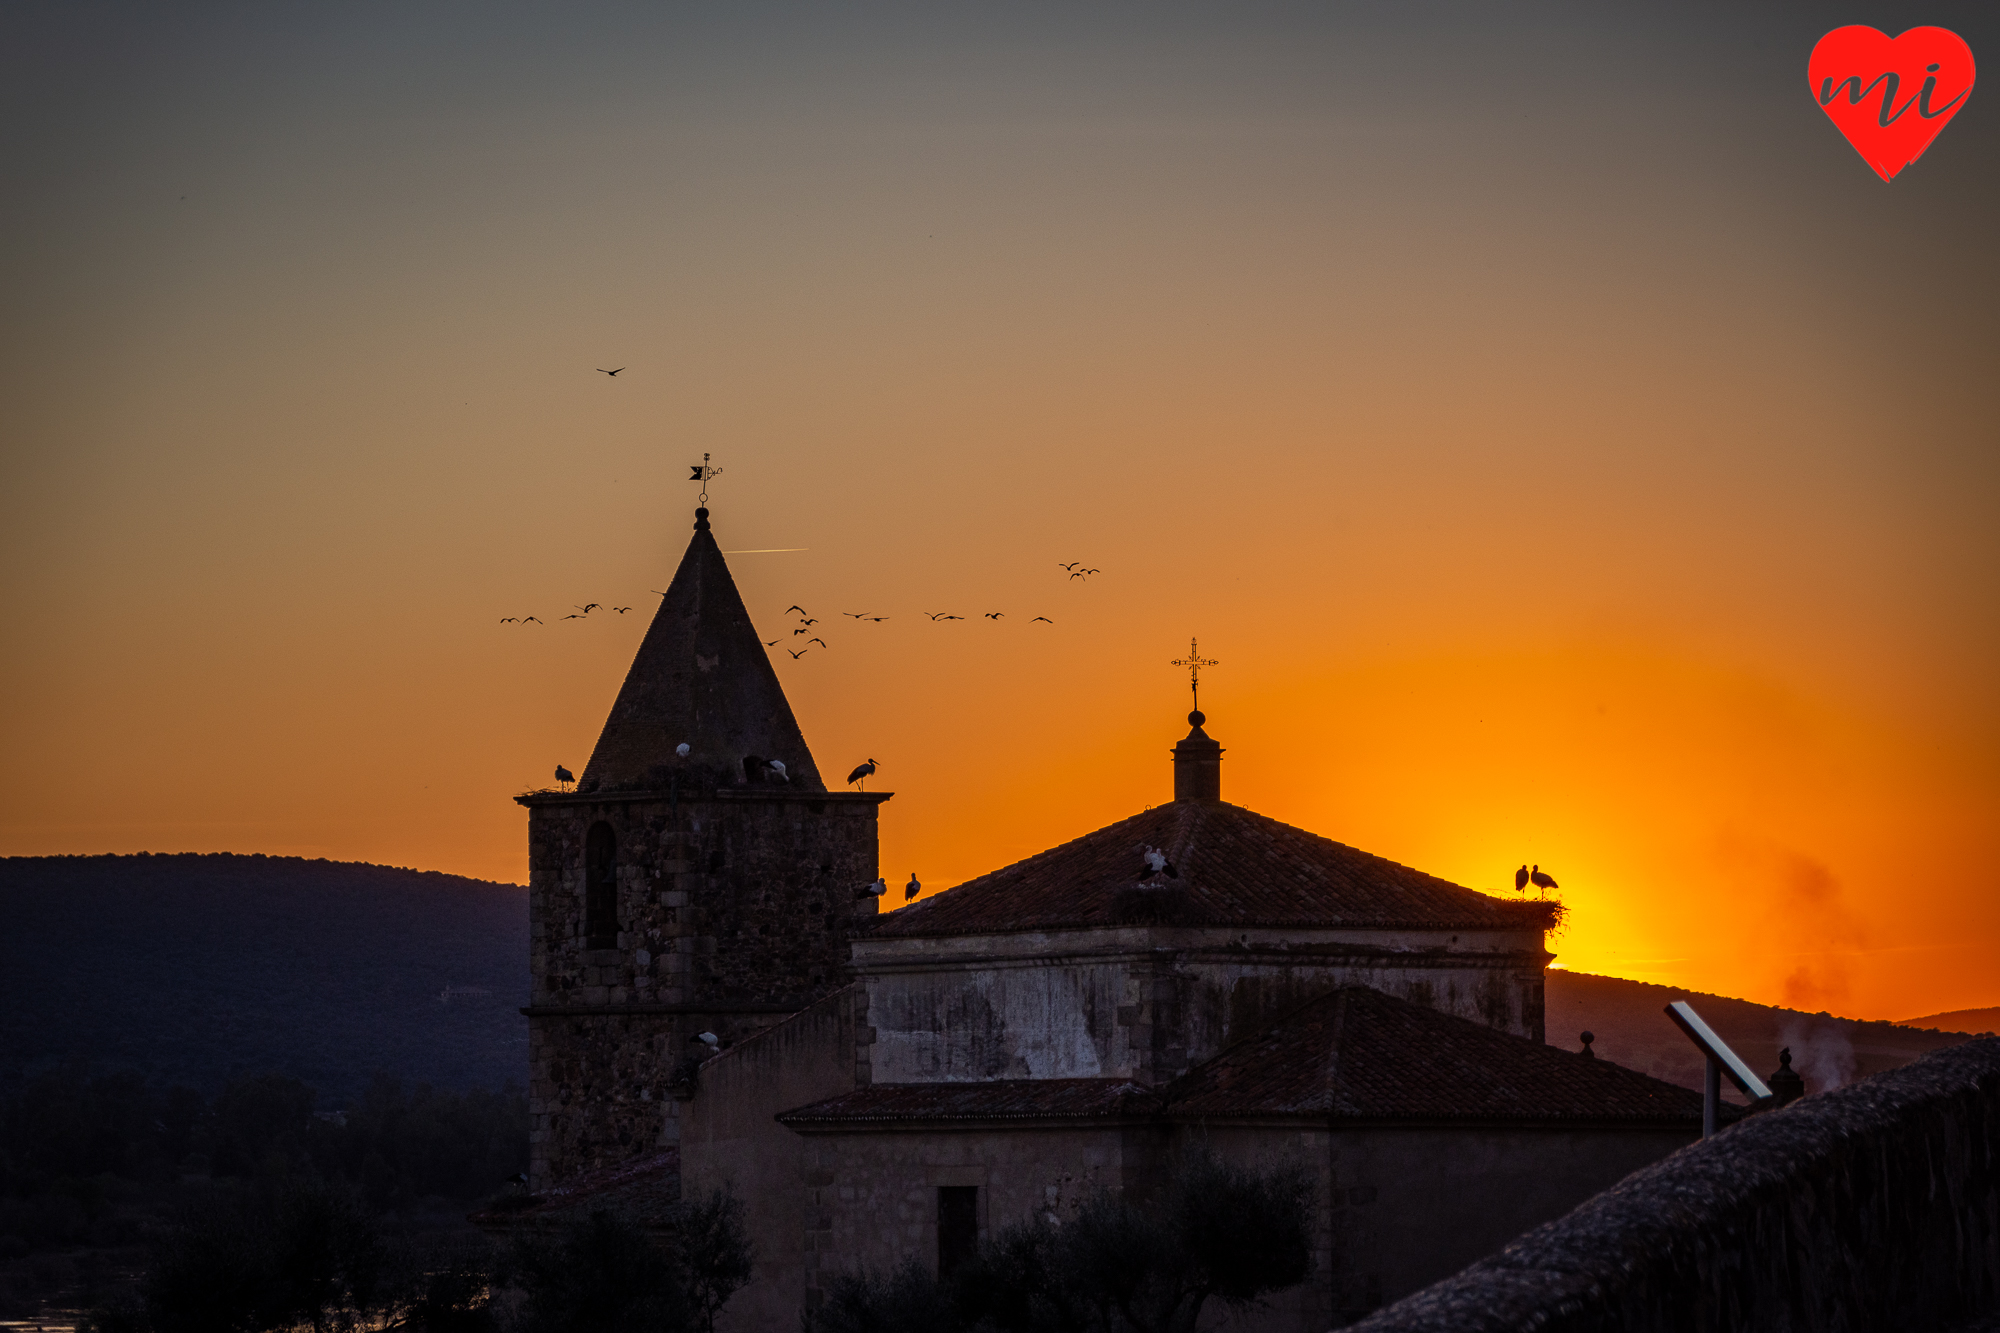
774,643
995,615
588,609
1071,565
934,615
682,749
573,616
858,615
913,888
564,776
800,653
1521,880
526,619
602,371
821,642
510,620
808,620
878,619
621,610
1044,619
1542,880
861,774
800,609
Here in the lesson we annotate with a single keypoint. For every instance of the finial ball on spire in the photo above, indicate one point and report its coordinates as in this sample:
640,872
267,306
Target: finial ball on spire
1196,718
701,520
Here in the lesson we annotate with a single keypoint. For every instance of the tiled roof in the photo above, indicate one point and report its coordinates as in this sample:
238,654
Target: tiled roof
1357,1054
1354,1054
646,1187
1005,1099
1235,868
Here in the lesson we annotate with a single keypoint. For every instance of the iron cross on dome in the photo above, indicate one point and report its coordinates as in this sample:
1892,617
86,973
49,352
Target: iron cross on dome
1194,662
701,473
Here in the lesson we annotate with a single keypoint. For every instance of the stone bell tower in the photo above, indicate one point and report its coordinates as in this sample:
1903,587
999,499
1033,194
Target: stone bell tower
680,889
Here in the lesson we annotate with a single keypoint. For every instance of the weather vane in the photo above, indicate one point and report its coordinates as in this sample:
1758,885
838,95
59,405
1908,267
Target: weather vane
702,472
1194,662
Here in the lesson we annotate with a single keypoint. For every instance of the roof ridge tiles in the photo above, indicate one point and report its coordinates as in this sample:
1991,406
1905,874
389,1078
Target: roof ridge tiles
1234,867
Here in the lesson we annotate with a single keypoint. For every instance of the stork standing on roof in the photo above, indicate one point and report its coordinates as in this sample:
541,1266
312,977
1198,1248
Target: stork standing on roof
861,774
1521,880
1542,880
564,777
913,888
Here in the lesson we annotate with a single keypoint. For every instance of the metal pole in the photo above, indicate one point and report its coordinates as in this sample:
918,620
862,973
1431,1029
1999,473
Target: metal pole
1711,1097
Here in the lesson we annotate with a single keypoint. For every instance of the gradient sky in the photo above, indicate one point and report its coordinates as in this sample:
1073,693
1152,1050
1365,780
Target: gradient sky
1569,448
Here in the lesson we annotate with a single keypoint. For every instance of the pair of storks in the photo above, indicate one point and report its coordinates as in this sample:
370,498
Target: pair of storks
1535,876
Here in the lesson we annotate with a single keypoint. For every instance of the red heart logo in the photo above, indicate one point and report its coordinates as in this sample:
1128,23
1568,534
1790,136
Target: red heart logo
1890,97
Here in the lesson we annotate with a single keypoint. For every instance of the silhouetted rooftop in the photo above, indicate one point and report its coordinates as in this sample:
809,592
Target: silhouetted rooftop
1233,867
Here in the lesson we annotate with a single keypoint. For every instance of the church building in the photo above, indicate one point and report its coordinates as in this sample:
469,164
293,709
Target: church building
896,1086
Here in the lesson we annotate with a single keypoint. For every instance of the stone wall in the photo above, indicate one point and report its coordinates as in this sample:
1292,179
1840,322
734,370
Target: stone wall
734,909
730,1139
1872,1207
871,1197
1149,1002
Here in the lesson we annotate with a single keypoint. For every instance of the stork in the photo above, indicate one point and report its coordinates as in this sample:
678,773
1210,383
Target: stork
878,888
1542,881
778,766
913,888
564,776
1521,880
861,774
682,749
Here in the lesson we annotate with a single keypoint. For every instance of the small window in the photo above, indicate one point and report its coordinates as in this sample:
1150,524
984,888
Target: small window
600,888
958,1226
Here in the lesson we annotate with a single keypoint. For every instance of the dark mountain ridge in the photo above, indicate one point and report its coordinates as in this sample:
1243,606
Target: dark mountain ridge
197,968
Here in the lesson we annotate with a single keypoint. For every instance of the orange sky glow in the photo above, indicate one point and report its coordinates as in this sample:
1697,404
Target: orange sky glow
1615,491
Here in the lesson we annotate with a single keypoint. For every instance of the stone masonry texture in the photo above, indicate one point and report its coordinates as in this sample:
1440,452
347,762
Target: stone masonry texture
734,909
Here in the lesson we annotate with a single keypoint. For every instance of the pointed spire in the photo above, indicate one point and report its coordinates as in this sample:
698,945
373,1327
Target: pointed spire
700,679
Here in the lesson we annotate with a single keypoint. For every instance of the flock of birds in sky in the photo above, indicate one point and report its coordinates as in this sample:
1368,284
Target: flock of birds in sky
806,621
1076,569
581,613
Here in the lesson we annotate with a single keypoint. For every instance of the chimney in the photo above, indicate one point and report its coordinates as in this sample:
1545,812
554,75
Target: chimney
1197,765
1786,1085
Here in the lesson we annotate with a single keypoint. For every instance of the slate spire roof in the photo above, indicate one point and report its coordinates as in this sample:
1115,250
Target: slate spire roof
1232,867
700,678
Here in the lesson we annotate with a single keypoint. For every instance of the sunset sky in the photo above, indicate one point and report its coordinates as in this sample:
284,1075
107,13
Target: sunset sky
1569,448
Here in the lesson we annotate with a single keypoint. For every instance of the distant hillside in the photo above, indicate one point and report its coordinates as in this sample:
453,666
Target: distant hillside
1629,1024
195,969
1959,1020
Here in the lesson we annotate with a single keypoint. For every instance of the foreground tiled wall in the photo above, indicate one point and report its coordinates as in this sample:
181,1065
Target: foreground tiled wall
1873,1207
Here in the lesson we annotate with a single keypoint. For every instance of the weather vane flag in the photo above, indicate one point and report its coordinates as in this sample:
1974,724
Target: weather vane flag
1194,662
701,473
1890,96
